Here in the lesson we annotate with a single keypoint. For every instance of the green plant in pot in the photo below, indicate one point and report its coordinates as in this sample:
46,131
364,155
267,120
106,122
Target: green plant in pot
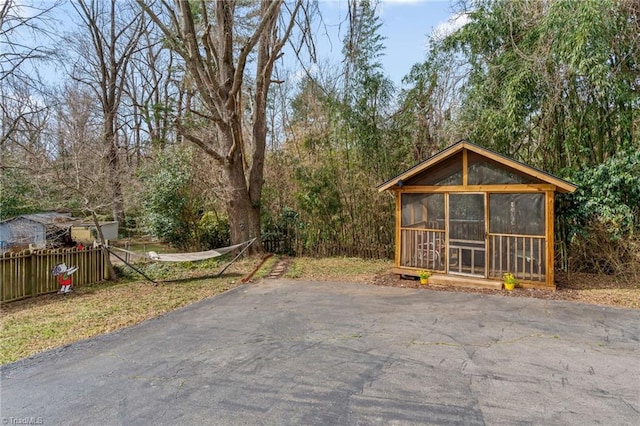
424,276
510,282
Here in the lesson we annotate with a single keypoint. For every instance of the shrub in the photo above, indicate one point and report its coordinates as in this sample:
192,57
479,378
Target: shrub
213,231
599,222
171,204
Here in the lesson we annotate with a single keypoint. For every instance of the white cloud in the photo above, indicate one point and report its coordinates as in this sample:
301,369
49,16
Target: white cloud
450,26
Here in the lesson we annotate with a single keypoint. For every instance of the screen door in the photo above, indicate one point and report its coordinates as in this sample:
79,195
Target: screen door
467,234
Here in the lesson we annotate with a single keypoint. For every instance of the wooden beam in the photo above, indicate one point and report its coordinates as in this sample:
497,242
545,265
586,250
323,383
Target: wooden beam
486,235
521,187
549,227
446,233
465,171
520,235
398,225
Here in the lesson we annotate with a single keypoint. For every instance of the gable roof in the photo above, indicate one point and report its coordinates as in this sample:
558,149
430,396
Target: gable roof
561,184
46,218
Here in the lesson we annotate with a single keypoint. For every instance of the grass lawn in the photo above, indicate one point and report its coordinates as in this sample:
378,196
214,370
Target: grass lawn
337,269
33,325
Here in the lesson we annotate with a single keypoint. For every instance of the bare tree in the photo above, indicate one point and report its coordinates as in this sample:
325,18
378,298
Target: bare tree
217,40
153,87
20,26
113,30
24,29
76,135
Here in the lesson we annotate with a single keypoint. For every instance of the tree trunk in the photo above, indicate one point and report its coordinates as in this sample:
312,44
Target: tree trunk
243,212
216,66
113,167
244,217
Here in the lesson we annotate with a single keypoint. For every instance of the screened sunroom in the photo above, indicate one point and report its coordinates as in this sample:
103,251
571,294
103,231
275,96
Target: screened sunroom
470,215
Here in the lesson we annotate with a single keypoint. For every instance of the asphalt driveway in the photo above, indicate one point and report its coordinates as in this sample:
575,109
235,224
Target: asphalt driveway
286,352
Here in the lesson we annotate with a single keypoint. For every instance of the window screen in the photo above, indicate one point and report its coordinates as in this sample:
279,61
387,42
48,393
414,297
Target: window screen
466,217
521,214
447,172
483,171
423,211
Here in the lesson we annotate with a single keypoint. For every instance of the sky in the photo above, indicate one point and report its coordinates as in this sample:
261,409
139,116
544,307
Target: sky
406,24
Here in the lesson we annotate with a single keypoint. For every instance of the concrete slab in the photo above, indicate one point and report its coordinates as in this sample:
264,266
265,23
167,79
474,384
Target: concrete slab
287,352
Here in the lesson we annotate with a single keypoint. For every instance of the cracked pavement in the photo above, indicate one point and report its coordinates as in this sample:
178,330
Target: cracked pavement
290,352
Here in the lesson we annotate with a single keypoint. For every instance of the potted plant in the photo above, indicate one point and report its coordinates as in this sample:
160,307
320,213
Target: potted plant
510,282
424,276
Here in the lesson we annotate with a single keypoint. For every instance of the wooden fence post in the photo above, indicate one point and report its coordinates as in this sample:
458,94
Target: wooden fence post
30,274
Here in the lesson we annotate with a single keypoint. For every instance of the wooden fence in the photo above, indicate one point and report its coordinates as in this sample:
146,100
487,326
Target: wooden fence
292,247
28,273
346,250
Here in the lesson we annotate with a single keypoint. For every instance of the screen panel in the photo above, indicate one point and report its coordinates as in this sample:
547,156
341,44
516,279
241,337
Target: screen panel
520,214
484,171
447,172
423,211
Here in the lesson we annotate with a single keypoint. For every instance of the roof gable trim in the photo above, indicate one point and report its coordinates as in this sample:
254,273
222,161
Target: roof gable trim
561,184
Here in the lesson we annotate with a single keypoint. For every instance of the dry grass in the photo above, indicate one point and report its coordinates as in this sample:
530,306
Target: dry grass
33,325
338,268
599,289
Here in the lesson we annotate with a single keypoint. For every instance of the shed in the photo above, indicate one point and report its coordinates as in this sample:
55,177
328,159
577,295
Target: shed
469,215
86,232
39,230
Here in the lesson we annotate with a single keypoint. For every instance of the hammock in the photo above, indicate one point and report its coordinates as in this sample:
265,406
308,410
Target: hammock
190,257
187,257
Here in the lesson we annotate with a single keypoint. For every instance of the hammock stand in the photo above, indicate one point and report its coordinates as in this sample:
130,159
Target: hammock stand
131,266
186,257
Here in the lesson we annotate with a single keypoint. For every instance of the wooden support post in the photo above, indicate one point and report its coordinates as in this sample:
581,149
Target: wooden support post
465,164
447,231
487,240
550,279
30,273
399,242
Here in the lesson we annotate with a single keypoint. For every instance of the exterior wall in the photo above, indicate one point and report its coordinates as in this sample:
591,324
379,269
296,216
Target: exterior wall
110,230
86,233
81,235
21,232
529,257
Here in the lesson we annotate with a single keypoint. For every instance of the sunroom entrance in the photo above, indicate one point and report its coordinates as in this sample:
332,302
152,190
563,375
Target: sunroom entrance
467,235
450,233
473,214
